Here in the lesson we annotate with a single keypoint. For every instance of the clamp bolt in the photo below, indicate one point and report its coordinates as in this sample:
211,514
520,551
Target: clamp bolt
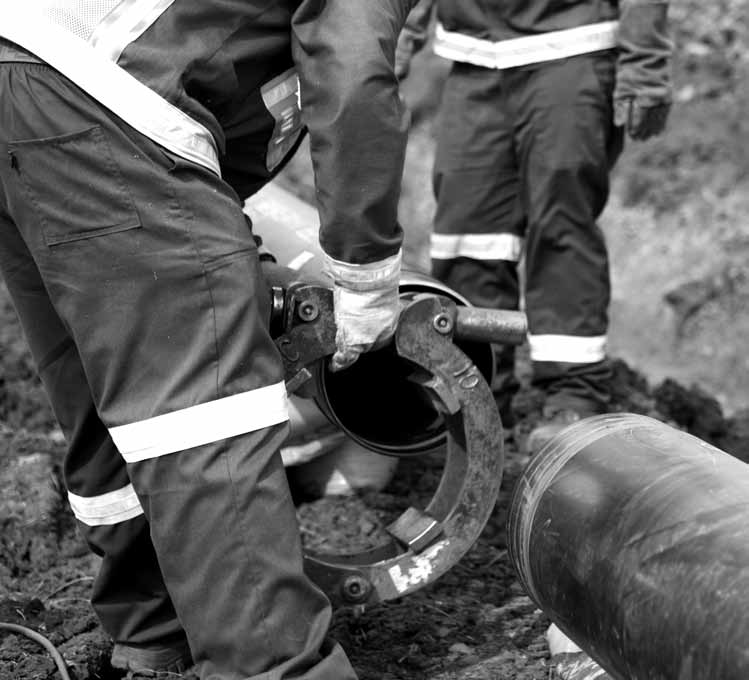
308,311
355,589
443,323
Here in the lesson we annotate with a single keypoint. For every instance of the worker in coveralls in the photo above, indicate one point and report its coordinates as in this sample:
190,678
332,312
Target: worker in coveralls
129,133
532,120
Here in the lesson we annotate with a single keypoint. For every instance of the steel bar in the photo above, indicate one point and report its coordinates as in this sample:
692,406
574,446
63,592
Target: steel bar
501,326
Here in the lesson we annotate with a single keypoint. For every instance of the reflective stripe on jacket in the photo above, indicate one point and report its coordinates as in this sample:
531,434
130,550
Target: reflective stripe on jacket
531,49
502,35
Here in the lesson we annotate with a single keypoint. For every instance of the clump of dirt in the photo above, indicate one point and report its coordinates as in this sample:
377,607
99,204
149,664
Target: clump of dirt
45,569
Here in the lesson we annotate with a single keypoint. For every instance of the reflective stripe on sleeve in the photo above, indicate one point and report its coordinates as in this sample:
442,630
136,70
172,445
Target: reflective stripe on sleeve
113,87
108,508
202,424
477,246
528,49
567,348
125,24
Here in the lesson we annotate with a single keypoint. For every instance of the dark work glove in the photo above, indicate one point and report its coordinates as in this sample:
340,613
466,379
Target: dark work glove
643,93
641,122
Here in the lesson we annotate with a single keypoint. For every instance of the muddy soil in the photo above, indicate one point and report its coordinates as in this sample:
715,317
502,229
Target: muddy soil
475,623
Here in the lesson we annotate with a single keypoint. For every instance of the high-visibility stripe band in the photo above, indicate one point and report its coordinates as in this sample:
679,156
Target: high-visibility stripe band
125,24
477,246
108,508
113,87
567,348
202,424
526,50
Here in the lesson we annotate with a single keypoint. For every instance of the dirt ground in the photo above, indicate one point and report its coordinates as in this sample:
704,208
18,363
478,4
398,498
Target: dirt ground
475,623
679,237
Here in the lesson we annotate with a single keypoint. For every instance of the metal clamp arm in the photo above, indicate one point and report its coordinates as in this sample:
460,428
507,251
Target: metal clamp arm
424,543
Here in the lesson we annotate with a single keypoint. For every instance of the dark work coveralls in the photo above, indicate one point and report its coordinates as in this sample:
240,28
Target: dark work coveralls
135,275
525,143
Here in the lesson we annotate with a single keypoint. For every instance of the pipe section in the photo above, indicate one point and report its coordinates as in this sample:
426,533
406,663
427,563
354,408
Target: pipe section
634,538
376,401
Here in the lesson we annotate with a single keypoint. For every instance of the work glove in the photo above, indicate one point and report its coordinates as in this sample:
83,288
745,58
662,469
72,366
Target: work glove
365,305
643,92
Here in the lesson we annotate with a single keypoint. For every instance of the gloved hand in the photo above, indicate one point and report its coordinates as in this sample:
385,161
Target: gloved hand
365,304
643,93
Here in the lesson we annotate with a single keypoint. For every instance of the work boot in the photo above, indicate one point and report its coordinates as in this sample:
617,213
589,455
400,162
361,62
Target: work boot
153,661
551,426
568,661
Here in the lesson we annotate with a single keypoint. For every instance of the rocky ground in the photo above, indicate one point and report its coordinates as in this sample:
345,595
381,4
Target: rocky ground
679,238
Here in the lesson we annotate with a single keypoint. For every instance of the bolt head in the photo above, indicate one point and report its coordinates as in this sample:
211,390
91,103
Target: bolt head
443,323
356,589
308,311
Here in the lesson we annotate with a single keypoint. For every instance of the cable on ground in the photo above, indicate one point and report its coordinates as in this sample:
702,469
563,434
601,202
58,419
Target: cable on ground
43,641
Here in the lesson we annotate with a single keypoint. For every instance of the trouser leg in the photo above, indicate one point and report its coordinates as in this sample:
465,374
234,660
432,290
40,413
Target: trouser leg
566,146
129,594
149,263
478,226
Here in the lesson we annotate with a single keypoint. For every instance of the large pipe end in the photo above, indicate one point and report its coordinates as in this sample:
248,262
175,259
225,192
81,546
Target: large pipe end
376,401
541,472
633,537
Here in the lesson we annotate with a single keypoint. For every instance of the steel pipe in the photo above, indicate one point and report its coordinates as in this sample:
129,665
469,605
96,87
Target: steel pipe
634,538
380,381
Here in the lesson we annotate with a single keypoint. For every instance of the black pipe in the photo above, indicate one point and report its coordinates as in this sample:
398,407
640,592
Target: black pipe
634,538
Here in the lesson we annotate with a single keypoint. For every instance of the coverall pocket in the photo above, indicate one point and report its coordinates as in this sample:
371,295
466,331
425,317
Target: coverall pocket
75,186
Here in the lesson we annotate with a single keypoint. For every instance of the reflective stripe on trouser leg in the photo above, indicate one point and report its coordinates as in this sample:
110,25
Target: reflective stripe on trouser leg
567,145
129,595
225,509
167,310
479,225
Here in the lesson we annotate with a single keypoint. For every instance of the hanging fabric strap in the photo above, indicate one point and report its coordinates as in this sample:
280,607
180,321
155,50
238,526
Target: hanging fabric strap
113,87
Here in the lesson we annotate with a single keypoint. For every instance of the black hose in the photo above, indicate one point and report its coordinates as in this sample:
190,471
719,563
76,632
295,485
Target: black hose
43,641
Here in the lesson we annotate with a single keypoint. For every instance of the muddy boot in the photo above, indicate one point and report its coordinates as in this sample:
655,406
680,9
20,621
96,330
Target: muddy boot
568,661
165,661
